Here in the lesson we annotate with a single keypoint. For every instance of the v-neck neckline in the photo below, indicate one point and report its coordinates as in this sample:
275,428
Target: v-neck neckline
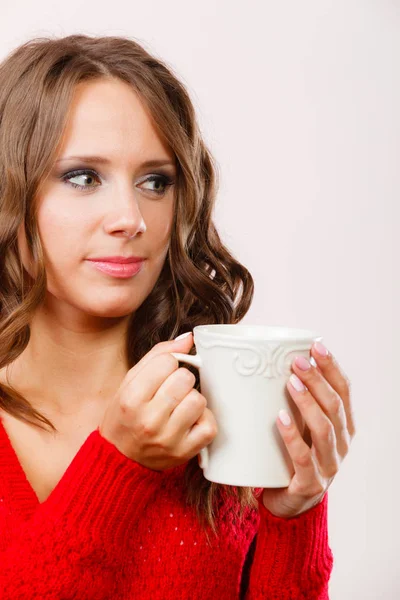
22,495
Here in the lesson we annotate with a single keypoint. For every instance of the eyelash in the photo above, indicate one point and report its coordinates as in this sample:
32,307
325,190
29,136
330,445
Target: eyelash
167,181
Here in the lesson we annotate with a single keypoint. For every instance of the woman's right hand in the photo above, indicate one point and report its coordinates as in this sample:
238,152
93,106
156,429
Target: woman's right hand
157,418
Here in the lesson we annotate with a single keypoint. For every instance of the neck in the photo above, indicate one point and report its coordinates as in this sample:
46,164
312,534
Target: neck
71,365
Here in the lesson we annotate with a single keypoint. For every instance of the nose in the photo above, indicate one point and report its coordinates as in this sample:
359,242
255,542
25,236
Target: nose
127,219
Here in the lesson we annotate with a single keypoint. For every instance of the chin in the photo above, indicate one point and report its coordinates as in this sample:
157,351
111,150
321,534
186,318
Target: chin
111,310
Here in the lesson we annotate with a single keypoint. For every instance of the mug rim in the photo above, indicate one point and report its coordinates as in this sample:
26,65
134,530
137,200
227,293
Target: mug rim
296,333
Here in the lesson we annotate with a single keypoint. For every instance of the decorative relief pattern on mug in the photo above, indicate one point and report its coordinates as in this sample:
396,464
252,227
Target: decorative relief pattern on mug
270,360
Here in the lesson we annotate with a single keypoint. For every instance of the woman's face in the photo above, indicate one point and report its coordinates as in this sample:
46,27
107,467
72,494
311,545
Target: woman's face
118,198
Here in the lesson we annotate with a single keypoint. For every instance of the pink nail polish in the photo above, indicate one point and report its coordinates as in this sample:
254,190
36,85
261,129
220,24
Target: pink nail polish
296,383
284,417
302,363
320,348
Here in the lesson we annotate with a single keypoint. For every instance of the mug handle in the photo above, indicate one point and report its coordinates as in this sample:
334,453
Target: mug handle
195,361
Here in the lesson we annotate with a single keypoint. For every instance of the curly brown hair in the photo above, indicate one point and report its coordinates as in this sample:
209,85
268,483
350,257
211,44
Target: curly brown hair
200,283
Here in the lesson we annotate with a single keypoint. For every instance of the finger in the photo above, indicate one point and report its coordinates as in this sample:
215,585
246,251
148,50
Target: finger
171,392
321,428
328,399
306,480
314,364
182,345
338,380
142,386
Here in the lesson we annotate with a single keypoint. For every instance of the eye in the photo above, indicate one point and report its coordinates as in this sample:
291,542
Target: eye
161,181
76,174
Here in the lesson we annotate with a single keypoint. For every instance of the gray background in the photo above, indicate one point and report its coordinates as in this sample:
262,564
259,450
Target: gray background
299,102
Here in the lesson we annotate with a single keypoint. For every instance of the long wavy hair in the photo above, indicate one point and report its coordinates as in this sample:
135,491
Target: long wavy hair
201,282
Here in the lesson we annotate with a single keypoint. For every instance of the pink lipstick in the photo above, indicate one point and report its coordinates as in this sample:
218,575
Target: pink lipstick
118,266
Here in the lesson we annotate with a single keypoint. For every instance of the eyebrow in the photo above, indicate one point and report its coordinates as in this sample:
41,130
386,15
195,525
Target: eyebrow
102,160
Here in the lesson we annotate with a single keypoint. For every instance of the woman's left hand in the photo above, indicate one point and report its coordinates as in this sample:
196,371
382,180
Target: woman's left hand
325,405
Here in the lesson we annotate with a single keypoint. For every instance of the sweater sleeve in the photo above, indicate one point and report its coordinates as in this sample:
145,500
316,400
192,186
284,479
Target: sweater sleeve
73,544
292,558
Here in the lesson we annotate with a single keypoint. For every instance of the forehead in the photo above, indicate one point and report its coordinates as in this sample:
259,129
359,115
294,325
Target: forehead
108,118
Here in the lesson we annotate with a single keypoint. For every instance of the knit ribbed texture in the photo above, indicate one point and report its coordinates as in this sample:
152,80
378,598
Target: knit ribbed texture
113,529
300,546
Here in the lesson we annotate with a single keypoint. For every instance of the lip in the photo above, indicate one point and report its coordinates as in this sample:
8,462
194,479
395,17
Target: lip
120,270
121,260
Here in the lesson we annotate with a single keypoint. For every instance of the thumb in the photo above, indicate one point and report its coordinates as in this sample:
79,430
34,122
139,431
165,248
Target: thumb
184,337
182,343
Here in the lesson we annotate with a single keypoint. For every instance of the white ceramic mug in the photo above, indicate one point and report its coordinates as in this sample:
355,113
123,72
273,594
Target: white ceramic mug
243,374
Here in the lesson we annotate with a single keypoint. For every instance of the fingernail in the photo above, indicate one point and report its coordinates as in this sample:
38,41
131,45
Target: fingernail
183,335
296,383
320,348
284,417
302,363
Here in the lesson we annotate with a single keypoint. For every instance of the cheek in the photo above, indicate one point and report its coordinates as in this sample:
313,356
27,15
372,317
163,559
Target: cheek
62,235
159,226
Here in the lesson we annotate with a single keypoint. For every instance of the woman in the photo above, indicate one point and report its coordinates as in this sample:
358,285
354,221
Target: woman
108,253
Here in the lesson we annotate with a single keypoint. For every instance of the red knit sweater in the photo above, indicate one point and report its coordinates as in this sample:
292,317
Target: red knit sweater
113,529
